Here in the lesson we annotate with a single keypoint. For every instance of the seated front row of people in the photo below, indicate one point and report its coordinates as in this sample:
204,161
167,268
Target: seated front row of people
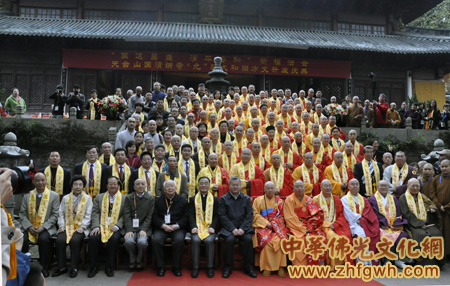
259,227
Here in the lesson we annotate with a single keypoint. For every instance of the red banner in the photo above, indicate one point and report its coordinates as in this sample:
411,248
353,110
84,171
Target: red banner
191,62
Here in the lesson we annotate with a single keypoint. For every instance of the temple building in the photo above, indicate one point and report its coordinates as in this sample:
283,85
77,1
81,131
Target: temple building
341,47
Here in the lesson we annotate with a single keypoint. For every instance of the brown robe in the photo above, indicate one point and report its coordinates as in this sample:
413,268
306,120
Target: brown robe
440,194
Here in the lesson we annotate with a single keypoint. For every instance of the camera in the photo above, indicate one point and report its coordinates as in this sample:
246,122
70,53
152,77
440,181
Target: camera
21,180
60,90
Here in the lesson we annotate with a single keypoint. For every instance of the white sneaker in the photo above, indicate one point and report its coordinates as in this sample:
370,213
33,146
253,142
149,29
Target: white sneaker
400,264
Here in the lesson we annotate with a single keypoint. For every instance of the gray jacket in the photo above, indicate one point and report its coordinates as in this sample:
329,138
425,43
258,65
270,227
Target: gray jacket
51,217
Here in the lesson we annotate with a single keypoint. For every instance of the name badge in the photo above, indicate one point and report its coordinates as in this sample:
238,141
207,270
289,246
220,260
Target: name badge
135,222
422,122
442,124
78,108
167,218
109,220
56,108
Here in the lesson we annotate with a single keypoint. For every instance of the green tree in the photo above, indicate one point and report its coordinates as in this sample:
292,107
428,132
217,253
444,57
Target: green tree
436,18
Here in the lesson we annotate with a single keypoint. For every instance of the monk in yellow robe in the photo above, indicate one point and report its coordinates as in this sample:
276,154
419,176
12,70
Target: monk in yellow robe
270,229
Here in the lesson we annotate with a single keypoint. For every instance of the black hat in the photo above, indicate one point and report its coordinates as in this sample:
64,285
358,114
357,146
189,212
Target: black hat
270,127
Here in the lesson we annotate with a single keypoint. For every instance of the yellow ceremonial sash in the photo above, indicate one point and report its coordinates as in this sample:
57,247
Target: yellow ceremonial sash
305,175
395,174
204,218
303,128
72,223
289,155
382,210
328,150
345,162
191,182
37,220
59,180
295,147
329,213
287,121
261,162
319,156
266,153
152,185
177,181
356,148
105,228
201,158
251,171
422,214
95,190
156,168
274,144
92,110
335,144
127,174
215,177
192,144
12,250
217,148
226,163
341,178
277,177
278,136
370,186
210,126
351,203
112,160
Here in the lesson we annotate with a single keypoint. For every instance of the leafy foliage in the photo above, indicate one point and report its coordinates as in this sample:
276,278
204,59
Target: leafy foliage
417,143
32,135
436,18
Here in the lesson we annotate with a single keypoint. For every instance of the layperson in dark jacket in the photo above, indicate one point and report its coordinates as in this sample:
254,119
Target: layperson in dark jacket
236,217
203,219
89,170
172,174
169,220
137,220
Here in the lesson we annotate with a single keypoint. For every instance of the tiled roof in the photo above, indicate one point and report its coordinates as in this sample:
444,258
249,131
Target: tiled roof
243,35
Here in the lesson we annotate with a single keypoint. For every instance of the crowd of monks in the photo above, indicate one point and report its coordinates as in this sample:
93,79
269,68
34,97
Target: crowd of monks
254,172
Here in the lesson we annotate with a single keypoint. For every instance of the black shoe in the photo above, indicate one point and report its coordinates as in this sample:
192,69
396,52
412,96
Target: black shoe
161,271
176,271
226,273
73,273
109,271
139,266
92,272
210,273
194,273
45,272
59,272
250,272
132,266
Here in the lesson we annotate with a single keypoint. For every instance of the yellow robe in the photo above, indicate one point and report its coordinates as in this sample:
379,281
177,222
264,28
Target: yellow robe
295,225
271,257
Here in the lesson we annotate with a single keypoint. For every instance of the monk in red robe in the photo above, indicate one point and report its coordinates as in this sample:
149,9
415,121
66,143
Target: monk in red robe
290,159
309,174
281,177
334,224
252,178
362,219
304,218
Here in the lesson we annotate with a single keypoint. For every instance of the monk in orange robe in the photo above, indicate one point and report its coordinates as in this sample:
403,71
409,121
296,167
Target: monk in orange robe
338,175
309,174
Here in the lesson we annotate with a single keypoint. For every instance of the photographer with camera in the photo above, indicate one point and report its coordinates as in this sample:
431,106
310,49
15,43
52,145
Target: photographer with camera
59,100
77,100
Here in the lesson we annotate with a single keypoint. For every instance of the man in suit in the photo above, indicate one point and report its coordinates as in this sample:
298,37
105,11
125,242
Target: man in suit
368,173
92,170
137,220
398,175
146,173
236,217
119,170
172,173
175,150
106,229
38,216
203,219
169,220
58,178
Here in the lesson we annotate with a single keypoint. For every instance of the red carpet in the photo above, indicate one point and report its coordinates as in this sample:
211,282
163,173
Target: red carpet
238,277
